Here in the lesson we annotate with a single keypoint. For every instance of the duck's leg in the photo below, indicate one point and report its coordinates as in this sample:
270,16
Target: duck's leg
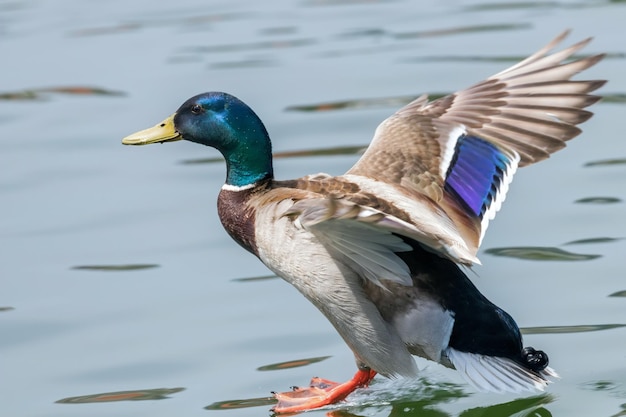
321,392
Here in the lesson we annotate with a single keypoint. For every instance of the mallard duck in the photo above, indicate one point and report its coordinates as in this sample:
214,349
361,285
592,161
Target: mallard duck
382,250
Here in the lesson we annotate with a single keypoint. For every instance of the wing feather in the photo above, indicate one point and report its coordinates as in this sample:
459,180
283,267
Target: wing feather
350,232
527,112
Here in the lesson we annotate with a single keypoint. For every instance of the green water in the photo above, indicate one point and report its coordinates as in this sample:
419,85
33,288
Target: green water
121,295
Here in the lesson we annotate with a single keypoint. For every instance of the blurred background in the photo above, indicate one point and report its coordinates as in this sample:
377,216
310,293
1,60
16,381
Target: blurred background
121,295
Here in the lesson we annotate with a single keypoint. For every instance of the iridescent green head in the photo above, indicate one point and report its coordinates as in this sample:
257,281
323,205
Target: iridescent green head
225,123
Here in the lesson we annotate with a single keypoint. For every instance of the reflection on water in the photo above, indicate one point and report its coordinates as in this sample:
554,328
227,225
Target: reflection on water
283,43
607,162
497,27
245,63
244,403
135,395
405,395
532,406
540,253
598,200
613,388
253,279
593,240
143,22
570,329
291,364
511,5
616,98
127,267
41,93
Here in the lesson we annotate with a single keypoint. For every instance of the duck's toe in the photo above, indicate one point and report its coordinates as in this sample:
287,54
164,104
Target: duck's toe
320,392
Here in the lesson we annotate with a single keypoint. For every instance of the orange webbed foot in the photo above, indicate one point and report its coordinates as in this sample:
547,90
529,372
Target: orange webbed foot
320,392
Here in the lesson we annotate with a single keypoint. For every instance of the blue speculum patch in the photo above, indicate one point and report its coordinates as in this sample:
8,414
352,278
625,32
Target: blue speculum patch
475,173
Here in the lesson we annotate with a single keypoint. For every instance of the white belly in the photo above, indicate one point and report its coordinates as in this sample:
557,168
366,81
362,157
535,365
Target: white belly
298,257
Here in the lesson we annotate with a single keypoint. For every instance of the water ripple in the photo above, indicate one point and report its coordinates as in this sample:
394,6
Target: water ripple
540,253
135,395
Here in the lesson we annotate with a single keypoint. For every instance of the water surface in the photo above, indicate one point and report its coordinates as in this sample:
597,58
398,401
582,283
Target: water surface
121,295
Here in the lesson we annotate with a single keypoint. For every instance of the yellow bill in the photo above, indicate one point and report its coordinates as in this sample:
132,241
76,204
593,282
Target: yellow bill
163,132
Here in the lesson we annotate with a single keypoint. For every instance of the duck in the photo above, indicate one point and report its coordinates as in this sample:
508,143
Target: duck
383,251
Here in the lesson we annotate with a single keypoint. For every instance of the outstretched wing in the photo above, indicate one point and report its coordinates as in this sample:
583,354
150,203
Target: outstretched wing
463,149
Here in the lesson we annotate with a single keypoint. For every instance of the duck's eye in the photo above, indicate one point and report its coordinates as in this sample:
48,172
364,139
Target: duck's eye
196,109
